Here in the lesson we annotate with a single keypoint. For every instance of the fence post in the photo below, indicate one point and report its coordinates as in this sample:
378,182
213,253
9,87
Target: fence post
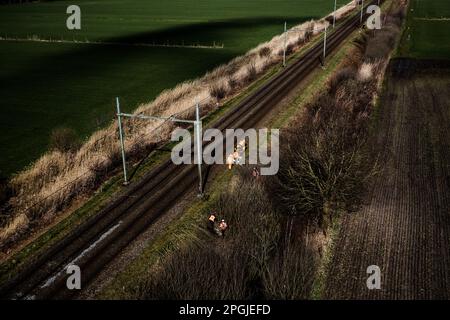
122,146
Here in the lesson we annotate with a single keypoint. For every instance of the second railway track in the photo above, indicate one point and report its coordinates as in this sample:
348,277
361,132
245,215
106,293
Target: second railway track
96,242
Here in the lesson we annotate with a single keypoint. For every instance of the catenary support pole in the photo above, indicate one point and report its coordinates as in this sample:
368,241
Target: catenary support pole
284,44
362,8
334,14
324,45
122,146
197,135
198,132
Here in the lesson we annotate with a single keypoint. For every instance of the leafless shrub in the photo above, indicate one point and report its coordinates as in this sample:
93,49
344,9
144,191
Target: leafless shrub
291,272
309,32
252,73
14,228
388,36
199,273
324,162
265,52
289,49
341,76
5,195
218,91
232,83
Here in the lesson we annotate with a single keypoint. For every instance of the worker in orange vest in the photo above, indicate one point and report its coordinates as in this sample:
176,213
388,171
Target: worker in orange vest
223,227
211,222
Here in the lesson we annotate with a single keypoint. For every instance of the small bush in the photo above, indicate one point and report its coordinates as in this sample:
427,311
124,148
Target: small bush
291,273
199,273
218,91
232,83
64,140
289,49
324,162
265,52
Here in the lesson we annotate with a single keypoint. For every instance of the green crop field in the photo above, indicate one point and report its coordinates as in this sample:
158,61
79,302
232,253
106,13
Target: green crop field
46,85
427,33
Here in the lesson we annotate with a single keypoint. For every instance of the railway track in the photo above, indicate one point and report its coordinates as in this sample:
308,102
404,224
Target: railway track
94,243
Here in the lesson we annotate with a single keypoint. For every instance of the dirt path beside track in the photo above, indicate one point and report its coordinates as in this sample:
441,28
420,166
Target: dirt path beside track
404,227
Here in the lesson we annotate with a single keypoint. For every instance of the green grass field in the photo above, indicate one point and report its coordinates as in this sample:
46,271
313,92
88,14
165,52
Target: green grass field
427,33
46,85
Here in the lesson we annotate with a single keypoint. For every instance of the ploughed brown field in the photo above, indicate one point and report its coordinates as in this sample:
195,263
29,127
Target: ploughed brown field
404,227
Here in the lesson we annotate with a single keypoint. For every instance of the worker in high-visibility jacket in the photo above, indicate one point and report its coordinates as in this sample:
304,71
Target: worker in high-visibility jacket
230,161
211,222
223,226
255,172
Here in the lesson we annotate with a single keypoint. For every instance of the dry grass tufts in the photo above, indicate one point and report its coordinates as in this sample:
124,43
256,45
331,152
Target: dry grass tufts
365,72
